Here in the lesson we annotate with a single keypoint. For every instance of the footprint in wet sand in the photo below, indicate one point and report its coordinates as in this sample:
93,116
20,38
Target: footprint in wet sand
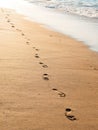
22,34
28,39
68,114
45,76
37,49
61,94
13,26
27,43
37,56
41,63
19,30
33,47
6,17
7,14
45,66
8,21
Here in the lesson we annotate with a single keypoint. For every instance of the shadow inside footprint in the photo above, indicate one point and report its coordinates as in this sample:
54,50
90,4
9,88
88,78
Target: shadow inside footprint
54,89
68,110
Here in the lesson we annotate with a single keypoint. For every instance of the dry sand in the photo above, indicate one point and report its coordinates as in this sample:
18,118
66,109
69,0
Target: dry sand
48,81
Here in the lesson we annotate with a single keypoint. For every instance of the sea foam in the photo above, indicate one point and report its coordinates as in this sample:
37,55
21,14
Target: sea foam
82,29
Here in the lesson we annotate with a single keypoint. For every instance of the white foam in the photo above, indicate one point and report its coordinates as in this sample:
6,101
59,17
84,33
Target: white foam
80,29
83,8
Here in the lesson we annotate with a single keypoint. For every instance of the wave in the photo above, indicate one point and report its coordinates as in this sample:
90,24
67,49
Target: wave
78,7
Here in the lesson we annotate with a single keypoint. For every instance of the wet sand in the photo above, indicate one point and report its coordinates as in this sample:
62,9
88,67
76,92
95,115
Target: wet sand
48,81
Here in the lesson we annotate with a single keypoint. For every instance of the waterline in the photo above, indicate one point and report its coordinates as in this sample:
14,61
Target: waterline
76,27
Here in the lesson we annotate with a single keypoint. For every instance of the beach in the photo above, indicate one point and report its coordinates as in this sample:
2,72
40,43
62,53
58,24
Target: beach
48,80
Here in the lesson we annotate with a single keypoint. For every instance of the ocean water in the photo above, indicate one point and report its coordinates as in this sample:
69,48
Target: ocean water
75,18
88,8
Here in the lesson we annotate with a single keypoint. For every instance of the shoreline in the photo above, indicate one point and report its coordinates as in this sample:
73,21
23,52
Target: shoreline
75,27
48,80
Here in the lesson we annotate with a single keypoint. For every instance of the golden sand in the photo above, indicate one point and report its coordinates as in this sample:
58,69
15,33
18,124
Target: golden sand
48,81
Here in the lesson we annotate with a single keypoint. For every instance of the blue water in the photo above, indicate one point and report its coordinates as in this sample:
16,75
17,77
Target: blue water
81,25
88,8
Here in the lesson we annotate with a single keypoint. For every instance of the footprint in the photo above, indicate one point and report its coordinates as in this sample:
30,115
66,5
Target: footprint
95,68
6,17
28,39
45,77
61,94
8,21
50,35
7,14
13,26
41,63
22,34
27,43
69,115
19,30
36,55
37,49
45,66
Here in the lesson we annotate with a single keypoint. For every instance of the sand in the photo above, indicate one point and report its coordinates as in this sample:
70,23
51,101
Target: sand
48,81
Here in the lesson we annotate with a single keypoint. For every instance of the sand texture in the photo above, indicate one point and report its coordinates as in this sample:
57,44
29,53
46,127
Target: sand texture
48,81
